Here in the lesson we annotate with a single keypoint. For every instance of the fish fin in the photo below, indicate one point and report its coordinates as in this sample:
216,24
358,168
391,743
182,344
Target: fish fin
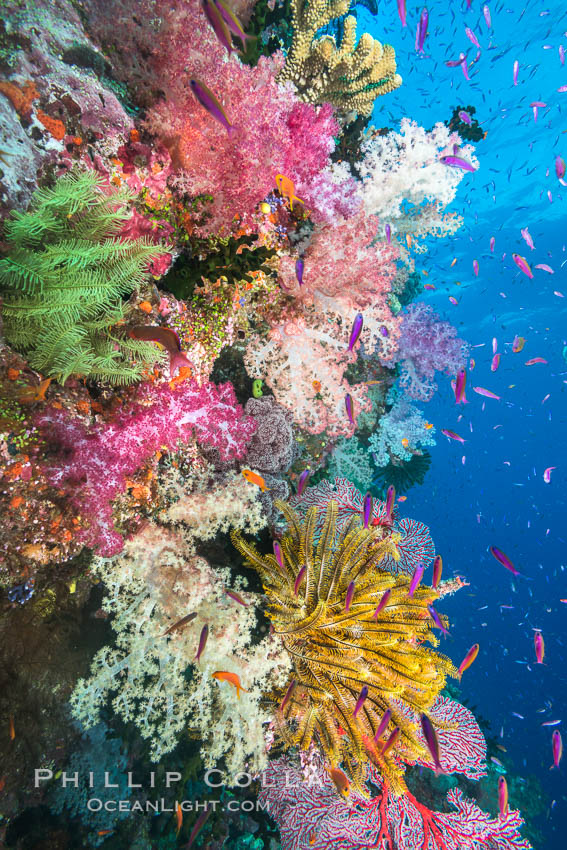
176,361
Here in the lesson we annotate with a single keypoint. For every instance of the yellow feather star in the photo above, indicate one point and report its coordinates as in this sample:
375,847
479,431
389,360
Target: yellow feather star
335,652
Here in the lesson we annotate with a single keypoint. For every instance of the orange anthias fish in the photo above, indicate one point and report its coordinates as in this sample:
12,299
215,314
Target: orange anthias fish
178,817
340,779
254,478
232,678
287,189
31,394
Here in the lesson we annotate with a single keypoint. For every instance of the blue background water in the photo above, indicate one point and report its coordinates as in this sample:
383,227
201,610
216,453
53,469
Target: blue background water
490,491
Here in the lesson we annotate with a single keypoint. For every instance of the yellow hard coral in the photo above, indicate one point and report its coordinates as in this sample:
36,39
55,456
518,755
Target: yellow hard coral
351,76
337,649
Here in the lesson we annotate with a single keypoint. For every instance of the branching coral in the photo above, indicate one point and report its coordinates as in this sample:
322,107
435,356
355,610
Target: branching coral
351,76
339,646
64,278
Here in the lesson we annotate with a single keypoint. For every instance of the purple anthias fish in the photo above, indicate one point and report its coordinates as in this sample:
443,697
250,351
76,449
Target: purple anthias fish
356,330
472,37
391,742
199,824
460,385
232,21
216,21
557,746
202,642
288,693
402,11
559,167
487,18
367,507
348,407
415,579
492,243
384,330
237,597
278,554
421,30
390,496
388,231
437,570
522,264
383,602
387,716
516,69
457,162
207,99
299,266
464,116
436,619
431,740
475,267
349,595
299,579
302,482
361,700
502,796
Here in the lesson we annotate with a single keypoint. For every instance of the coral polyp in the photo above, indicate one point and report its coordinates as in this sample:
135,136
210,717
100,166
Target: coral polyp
323,604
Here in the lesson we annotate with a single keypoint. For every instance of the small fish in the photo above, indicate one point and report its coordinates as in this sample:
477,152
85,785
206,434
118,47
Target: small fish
475,267
460,384
421,32
516,69
356,330
436,619
231,678
391,742
299,579
383,725
502,796
451,435
495,363
340,779
522,264
12,727
202,642
218,24
416,578
180,623
550,722
32,394
166,337
178,817
437,570
236,596
469,658
254,478
232,21
388,231
383,602
288,693
487,18
402,11
465,117
526,236
432,743
559,167
302,482
286,189
547,474
544,268
299,266
557,747
518,344
401,498
367,509
492,244
361,700
349,595
348,407
486,393
209,102
503,559
457,162
539,646
199,824
390,498
453,300
278,554
453,262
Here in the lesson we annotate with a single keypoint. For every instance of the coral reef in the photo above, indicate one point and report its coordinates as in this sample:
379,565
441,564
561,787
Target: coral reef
351,76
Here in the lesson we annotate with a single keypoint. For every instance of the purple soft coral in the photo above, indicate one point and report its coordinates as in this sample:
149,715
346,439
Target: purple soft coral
92,464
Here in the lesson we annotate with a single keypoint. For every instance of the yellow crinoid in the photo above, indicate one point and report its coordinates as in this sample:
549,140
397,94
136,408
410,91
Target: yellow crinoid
336,652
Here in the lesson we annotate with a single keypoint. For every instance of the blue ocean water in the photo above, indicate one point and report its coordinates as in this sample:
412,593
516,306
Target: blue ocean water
490,490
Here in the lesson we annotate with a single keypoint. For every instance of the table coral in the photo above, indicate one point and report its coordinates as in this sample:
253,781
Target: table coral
351,76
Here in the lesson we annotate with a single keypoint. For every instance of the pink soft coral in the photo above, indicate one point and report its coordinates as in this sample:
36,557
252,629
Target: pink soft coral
91,465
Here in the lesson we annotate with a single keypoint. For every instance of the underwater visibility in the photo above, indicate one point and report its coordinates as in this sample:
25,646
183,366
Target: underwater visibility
283,368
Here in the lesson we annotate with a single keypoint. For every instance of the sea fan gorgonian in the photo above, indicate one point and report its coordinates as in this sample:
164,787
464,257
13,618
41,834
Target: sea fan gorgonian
323,602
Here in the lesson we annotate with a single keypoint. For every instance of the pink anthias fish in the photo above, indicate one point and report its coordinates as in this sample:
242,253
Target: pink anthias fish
535,360
383,725
437,570
486,393
383,602
560,167
436,619
502,796
432,743
457,162
415,580
460,386
475,267
492,244
544,268
361,700
402,11
503,559
536,105
516,69
356,330
494,345
539,646
522,264
487,18
166,337
469,658
298,580
557,747
561,54
421,32
462,61
202,642
547,474
453,300
526,236
209,102
349,408
518,344
218,24
495,363
349,595
452,436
